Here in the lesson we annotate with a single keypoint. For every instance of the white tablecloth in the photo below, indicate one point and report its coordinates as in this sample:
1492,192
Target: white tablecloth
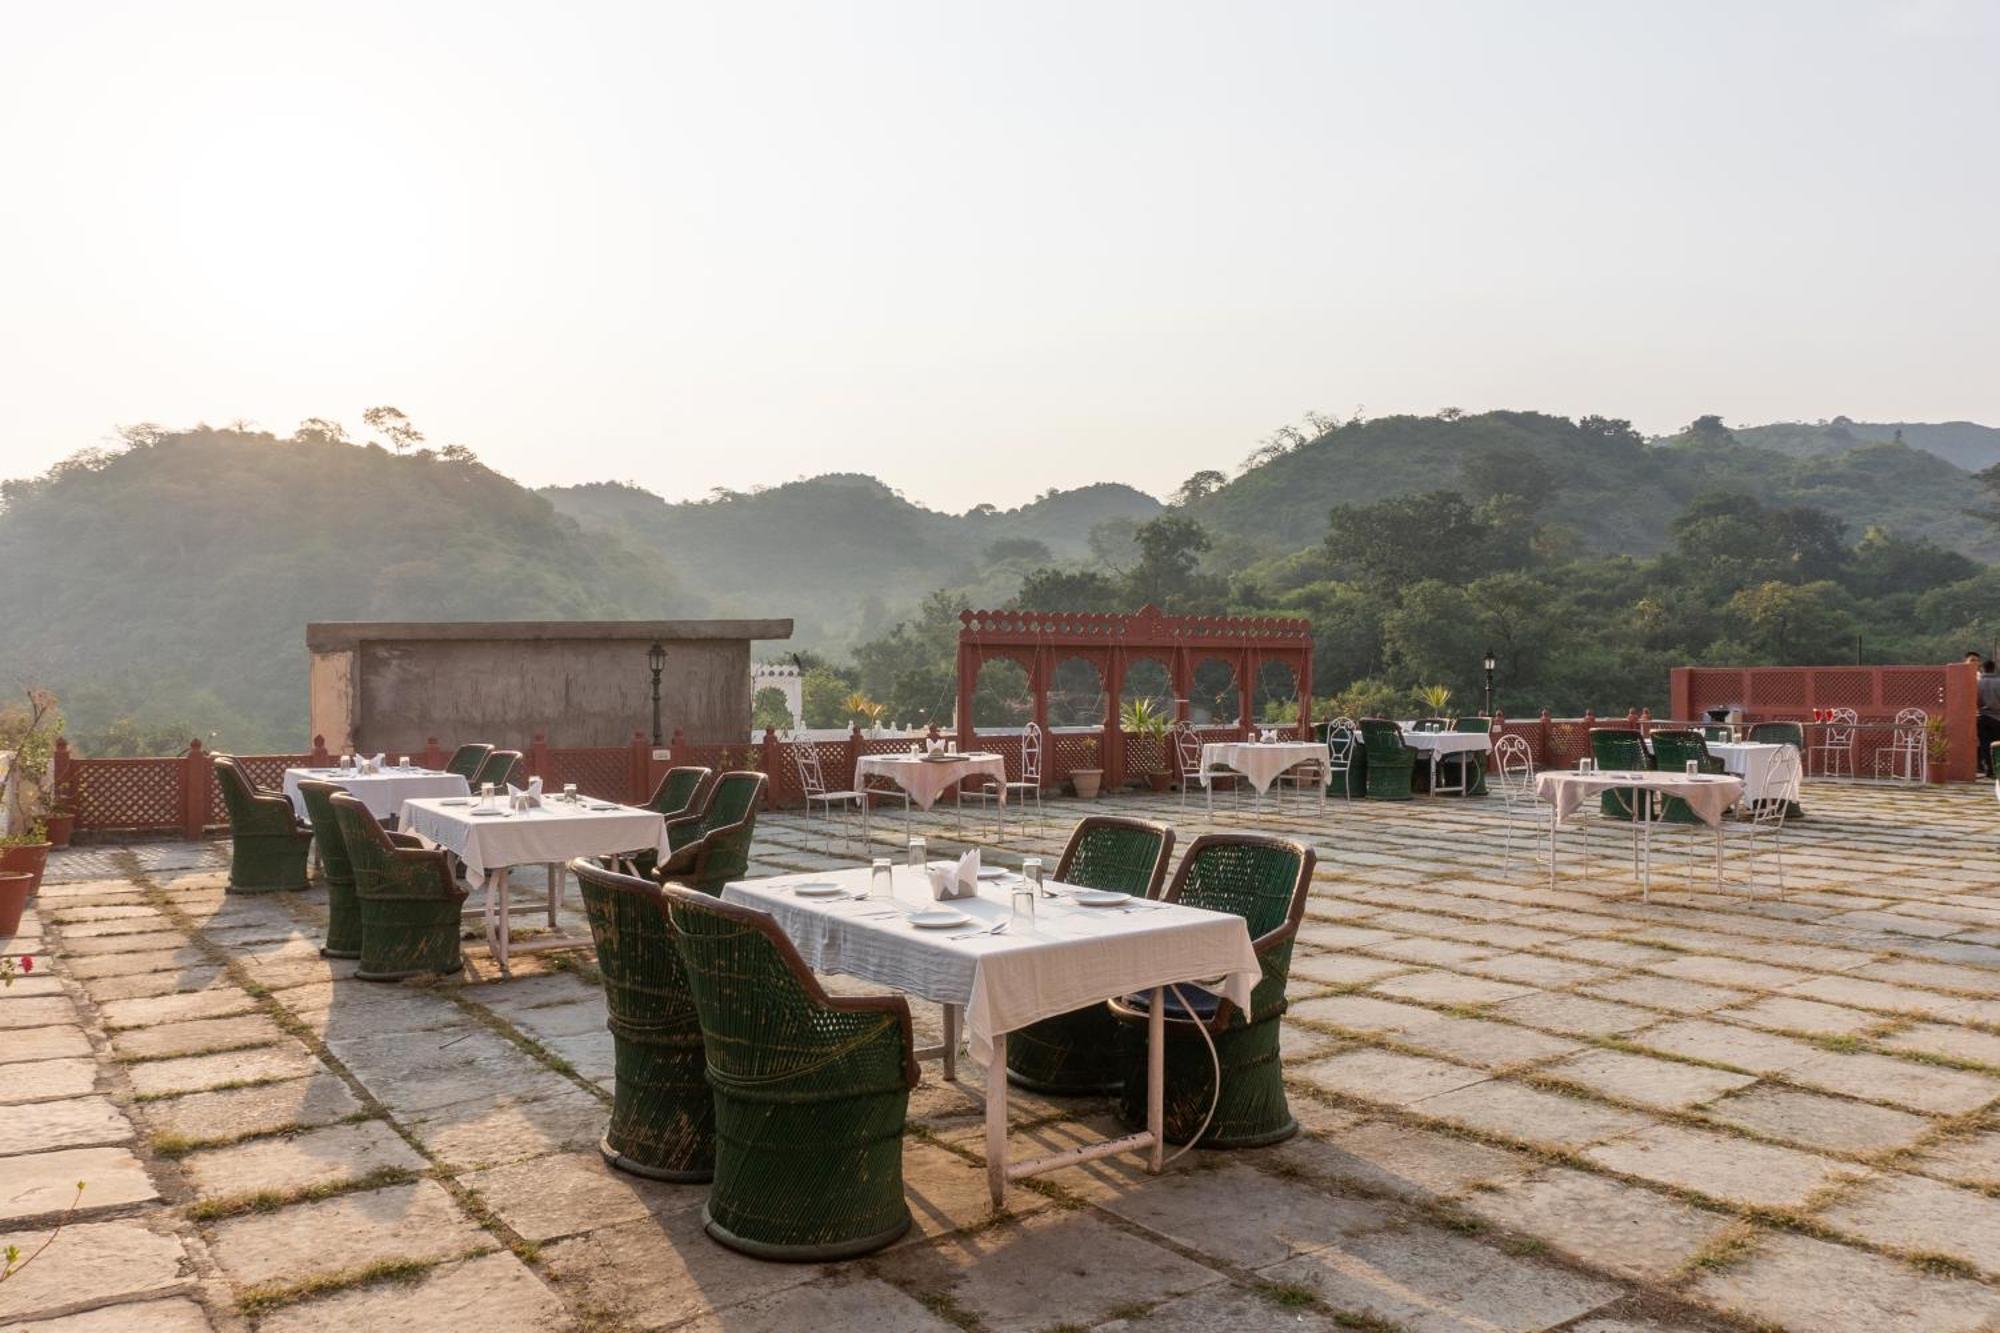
550,835
1260,761
1751,761
1448,742
383,793
1070,957
927,779
1708,794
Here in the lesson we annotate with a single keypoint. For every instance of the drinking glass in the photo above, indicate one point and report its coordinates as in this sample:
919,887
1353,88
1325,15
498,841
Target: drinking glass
881,878
485,794
569,792
1586,765
1031,871
1693,767
403,761
346,762
951,747
919,853
1024,904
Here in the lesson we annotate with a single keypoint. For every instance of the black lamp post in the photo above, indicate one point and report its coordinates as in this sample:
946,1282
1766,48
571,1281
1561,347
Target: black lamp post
656,658
1489,663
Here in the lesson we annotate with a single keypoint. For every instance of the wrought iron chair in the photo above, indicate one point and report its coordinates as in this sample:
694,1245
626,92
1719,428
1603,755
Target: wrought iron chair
410,902
1908,751
1075,1054
1187,760
662,1111
1347,759
1392,765
268,844
1835,746
812,784
343,910
1028,785
811,1092
499,767
1766,825
711,848
1263,880
1514,774
466,759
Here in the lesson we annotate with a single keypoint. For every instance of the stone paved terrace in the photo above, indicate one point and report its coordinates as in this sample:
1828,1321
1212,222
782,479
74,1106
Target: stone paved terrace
1524,1108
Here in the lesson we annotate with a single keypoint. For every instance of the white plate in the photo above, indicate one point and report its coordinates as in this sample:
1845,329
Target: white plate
455,800
939,918
482,814
1099,897
818,888
994,872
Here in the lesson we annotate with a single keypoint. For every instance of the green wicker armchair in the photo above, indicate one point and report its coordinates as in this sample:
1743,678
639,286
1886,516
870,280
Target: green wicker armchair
662,1113
1263,880
268,845
466,759
680,791
499,767
811,1092
1475,779
343,912
1719,732
1076,1054
713,847
1672,749
1618,749
410,904
1391,764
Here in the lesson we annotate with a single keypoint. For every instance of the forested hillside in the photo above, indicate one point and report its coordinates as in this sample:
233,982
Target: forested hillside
162,590
1964,443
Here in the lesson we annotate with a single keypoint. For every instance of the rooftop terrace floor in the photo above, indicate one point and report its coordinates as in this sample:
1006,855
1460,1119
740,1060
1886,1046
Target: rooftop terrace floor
1525,1107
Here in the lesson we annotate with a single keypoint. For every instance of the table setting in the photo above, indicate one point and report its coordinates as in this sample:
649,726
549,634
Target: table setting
377,784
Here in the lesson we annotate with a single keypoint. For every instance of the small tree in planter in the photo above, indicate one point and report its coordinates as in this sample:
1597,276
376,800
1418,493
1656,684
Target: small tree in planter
30,732
1147,720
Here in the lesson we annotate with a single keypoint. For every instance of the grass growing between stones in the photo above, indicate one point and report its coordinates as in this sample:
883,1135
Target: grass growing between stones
270,1201
230,1085
262,1300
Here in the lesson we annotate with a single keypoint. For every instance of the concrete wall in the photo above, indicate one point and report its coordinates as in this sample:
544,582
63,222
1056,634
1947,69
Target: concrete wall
389,686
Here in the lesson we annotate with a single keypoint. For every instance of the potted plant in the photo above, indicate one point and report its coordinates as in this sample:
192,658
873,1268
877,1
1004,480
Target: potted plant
1087,780
1434,699
1148,721
15,886
62,815
31,734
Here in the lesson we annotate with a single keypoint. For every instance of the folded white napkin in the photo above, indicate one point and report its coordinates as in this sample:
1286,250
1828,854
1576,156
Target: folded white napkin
933,747
529,799
959,881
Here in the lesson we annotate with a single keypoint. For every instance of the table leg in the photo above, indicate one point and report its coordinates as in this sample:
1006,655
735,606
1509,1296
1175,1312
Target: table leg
996,1121
556,886
1718,856
1646,837
1156,1080
497,928
951,1018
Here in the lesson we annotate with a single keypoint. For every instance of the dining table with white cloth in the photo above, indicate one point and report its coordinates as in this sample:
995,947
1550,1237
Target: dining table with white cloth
383,792
926,779
1440,745
1067,957
492,838
1261,762
1752,762
1709,795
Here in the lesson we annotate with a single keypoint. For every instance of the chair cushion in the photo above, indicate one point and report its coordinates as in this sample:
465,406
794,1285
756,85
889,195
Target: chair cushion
1201,1004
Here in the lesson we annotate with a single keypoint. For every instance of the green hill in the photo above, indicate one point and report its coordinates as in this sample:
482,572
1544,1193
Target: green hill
171,584
1965,444
843,554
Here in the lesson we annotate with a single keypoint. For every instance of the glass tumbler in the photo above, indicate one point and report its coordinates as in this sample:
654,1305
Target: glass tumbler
919,853
1031,871
1024,904
881,878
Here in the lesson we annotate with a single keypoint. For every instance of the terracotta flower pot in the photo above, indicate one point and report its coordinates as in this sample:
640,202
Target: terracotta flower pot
15,885
1086,781
1160,782
31,858
61,826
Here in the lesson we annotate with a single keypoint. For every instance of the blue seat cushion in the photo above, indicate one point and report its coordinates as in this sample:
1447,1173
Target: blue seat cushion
1201,1004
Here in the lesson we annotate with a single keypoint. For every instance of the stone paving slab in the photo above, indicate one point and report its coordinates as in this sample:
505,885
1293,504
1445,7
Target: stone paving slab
176,1314
218,1002
1621,1228
1884,1078
551,1197
197,1073
1813,1120
49,1043
499,1128
91,1264
1388,1077
43,1184
663,1271
42,1080
416,1221
1665,1085
1809,1286
1917,1213
494,1293
1721,1166
1530,1115
196,1036
1288,1219
330,1155
80,1122
230,1112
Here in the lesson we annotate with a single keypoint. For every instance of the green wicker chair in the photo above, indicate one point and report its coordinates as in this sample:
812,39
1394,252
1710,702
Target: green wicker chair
1391,764
711,848
1618,749
268,845
811,1092
466,759
1475,781
1719,732
662,1113
410,904
1076,1054
343,912
1263,880
680,791
1672,749
499,767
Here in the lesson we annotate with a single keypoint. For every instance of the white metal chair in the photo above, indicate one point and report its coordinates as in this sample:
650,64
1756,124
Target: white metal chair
1766,824
1028,785
1187,760
1341,738
805,757
1835,745
1907,754
1514,774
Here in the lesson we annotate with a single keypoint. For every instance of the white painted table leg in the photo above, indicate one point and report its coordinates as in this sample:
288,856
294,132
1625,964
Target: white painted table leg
1156,1080
499,930
996,1121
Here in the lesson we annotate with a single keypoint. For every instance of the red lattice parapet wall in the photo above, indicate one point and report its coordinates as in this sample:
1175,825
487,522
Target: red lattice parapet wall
1038,641
1947,692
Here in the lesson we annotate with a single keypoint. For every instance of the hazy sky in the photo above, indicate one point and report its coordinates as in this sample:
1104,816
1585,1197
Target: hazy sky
984,249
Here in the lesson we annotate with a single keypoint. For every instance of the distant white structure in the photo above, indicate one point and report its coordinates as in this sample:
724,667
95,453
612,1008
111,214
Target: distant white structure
783,677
